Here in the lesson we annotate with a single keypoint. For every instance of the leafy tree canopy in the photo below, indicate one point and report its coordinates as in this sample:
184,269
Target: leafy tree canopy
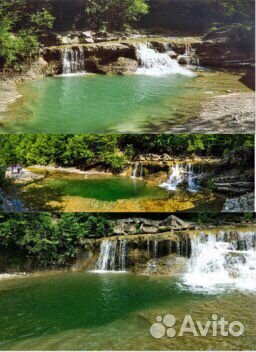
111,151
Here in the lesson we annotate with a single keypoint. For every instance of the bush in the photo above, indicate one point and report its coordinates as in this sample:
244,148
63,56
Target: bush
20,26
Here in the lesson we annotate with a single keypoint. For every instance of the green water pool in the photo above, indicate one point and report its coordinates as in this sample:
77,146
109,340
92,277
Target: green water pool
63,191
104,104
87,311
100,188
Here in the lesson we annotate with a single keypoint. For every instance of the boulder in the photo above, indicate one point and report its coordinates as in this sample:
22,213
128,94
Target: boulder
243,203
175,223
172,54
88,41
87,34
183,59
159,46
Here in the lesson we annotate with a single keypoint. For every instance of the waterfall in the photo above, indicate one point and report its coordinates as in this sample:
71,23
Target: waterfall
138,170
148,248
122,254
182,173
112,256
141,170
192,179
106,259
72,61
155,249
189,57
135,170
222,261
175,178
153,63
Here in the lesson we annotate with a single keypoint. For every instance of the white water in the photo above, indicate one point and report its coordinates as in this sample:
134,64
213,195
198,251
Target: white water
182,173
72,61
153,63
135,170
221,262
122,254
107,261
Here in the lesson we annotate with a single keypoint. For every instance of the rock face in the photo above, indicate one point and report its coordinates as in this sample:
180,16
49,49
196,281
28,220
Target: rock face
159,254
226,47
121,66
235,174
98,58
104,53
243,203
133,226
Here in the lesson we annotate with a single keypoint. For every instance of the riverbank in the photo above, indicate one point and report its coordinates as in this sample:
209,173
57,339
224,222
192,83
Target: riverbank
10,82
223,114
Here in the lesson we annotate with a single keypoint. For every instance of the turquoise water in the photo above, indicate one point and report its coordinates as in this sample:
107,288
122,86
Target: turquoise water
96,104
86,311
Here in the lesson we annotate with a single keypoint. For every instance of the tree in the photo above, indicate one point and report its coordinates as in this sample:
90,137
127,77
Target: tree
45,240
21,24
113,14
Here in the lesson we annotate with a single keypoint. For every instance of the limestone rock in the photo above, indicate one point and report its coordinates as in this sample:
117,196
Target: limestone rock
121,66
243,203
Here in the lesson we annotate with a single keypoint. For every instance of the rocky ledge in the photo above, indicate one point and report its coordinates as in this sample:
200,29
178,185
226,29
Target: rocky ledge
24,177
133,226
244,203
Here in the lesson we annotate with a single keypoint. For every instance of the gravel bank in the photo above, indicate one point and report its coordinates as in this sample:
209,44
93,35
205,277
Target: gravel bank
231,113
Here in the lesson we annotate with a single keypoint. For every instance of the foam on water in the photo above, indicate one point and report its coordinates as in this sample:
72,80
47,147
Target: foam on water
153,63
217,264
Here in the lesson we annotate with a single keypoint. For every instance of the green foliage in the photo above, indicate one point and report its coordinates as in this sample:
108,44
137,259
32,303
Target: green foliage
3,180
211,184
47,240
110,151
20,25
204,218
42,20
248,216
185,144
113,14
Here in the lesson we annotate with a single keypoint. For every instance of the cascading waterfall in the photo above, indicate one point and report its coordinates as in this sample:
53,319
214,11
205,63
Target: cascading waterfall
137,171
222,261
155,249
182,173
153,63
112,256
175,179
72,61
106,259
189,56
192,179
122,254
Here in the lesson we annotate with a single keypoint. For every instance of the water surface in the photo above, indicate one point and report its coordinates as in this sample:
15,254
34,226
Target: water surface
105,104
75,192
86,311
